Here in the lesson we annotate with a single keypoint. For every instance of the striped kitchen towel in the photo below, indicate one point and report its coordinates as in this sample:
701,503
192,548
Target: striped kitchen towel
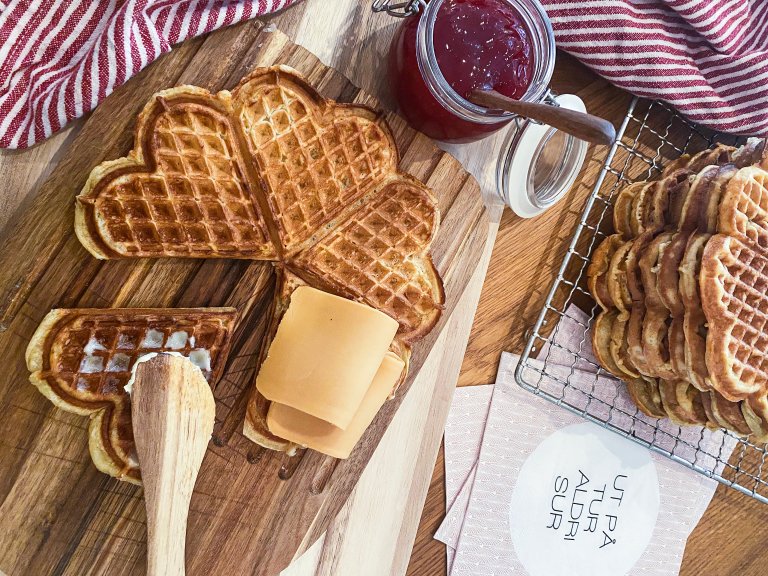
708,58
60,58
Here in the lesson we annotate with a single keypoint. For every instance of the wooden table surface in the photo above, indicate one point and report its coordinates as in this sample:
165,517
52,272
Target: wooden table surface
728,539
526,256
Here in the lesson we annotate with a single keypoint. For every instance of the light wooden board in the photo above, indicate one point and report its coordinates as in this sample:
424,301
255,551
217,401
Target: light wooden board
244,518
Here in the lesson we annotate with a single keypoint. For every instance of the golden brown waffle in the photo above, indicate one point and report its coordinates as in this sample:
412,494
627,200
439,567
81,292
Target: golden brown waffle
182,191
81,359
743,211
619,347
755,412
710,197
616,280
317,157
673,200
718,154
726,414
648,285
635,344
646,396
657,203
694,321
380,256
597,272
682,402
273,171
693,205
622,209
676,340
601,341
657,319
734,284
669,273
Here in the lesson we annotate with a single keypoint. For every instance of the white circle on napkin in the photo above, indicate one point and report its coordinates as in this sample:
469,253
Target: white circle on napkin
585,504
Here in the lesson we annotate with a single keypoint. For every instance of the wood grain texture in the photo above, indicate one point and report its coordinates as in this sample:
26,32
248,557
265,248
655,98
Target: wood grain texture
252,509
173,412
345,35
525,260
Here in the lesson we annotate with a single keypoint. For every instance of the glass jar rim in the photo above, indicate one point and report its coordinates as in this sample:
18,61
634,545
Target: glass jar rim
540,27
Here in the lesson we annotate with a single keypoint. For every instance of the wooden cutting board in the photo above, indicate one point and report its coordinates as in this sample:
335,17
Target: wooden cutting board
252,509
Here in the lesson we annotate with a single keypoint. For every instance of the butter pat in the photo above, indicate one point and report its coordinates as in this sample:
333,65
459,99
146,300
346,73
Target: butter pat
325,355
294,425
200,358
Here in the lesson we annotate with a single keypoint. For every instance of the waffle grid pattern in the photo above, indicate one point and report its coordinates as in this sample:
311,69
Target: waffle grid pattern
745,207
375,251
314,171
94,353
320,168
196,202
650,138
740,325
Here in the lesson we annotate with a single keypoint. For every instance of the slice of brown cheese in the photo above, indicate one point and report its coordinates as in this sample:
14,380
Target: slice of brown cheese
298,427
325,355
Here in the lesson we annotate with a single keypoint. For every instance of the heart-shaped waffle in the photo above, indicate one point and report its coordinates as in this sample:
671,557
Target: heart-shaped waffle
317,157
283,172
81,359
379,255
182,191
273,171
702,306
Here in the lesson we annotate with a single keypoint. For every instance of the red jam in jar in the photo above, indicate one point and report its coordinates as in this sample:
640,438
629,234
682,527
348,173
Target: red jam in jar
483,44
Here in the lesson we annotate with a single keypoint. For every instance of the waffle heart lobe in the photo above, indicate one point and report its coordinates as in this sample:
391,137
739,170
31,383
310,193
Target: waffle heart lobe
81,359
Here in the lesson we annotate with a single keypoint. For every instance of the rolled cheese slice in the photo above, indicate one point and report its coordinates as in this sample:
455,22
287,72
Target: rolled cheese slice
298,427
325,354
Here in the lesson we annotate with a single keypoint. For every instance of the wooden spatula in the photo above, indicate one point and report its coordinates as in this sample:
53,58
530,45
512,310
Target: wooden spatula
172,408
579,124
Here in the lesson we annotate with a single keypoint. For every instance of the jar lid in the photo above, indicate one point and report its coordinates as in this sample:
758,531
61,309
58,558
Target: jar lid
538,163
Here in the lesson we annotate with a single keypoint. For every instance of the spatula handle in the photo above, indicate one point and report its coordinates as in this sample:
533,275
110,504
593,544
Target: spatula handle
173,415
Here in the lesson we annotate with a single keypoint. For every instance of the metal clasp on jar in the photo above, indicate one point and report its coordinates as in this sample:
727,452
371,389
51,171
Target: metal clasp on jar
399,9
549,98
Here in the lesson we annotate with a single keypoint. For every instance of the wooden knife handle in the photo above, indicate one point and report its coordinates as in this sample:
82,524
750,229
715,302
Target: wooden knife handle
579,124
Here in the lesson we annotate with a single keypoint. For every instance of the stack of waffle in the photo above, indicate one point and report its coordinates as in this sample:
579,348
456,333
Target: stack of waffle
271,171
683,288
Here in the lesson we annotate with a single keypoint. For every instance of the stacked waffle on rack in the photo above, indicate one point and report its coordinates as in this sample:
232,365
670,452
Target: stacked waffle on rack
683,288
271,171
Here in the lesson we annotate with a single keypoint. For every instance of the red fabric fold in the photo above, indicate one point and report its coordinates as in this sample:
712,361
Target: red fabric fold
707,58
58,60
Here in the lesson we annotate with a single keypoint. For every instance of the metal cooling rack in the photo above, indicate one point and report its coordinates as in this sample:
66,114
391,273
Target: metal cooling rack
553,366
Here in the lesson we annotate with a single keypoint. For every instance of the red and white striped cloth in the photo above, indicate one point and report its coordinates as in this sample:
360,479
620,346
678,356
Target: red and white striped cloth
708,58
60,58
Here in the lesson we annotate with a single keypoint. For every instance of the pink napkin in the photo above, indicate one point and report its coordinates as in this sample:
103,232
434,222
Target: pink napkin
478,521
463,435
58,60
708,58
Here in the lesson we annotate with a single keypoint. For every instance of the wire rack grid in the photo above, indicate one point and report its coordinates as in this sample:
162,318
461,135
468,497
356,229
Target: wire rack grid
557,363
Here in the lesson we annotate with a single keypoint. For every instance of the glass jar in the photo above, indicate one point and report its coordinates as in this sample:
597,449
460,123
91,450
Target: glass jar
426,99
539,164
